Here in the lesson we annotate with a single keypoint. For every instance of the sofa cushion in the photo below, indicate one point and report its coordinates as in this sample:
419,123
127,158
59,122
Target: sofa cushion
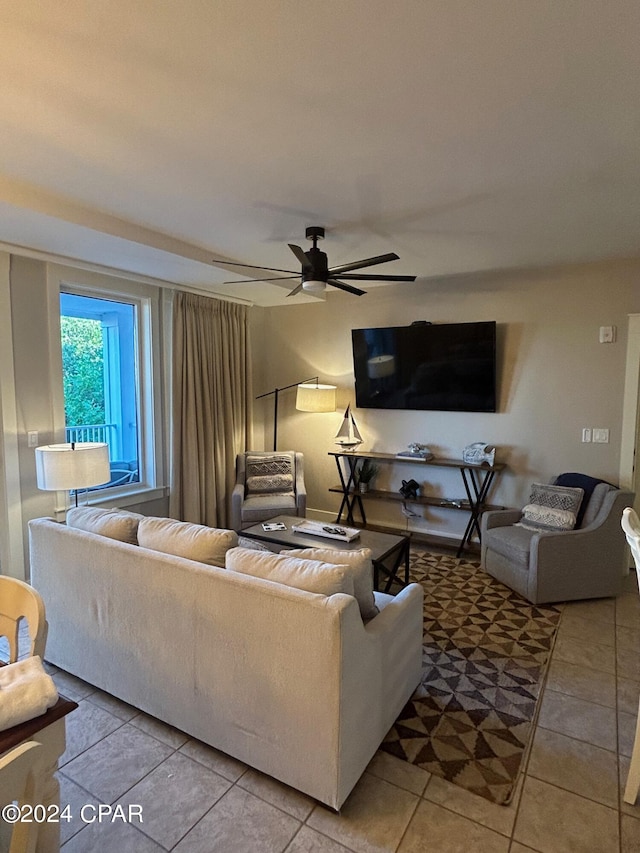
551,507
512,541
360,566
309,575
117,524
259,507
182,539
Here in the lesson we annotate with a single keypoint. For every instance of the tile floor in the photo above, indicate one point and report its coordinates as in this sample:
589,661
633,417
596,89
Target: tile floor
197,800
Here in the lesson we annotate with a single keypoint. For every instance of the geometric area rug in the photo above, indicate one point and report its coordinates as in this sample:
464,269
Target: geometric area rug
485,654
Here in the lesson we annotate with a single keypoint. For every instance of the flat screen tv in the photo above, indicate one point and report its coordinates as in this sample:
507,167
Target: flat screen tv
448,367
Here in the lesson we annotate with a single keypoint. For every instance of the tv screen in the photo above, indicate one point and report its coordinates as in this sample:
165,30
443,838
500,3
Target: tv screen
447,367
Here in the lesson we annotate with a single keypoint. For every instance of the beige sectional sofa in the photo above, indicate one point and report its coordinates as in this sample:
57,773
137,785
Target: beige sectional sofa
294,683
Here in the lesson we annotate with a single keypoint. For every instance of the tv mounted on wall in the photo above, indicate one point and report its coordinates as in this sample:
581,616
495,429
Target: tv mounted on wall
448,367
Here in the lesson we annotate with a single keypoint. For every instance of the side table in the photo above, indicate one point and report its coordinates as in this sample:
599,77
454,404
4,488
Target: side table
49,730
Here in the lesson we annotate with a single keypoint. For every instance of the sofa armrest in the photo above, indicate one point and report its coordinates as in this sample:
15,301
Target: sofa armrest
237,498
500,518
397,631
405,606
301,489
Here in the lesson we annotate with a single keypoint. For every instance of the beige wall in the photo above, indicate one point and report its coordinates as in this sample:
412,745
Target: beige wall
554,379
30,321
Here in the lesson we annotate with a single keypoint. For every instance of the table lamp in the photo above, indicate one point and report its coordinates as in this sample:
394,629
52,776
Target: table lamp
73,466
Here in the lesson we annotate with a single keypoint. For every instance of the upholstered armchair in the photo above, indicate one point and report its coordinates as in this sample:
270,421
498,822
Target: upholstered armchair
267,484
547,565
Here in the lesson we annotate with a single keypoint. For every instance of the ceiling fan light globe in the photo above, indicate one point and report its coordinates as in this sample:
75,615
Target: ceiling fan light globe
314,286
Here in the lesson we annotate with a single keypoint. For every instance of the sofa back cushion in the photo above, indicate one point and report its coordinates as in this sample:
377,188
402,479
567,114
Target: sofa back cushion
360,567
182,539
114,523
309,575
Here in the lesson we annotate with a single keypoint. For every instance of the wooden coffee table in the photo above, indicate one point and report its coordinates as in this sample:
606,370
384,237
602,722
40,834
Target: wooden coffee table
389,552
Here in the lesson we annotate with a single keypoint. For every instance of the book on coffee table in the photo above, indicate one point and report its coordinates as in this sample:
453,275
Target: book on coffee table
327,531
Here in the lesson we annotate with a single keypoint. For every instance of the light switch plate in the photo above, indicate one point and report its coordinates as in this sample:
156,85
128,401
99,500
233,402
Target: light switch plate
601,436
607,334
32,438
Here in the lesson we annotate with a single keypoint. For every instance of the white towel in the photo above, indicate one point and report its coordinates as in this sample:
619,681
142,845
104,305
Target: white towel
26,691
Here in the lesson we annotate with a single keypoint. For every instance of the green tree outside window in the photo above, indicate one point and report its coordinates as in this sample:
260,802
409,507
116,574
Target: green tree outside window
82,371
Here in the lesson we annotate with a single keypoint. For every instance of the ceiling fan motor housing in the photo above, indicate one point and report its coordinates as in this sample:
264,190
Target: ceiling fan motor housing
319,269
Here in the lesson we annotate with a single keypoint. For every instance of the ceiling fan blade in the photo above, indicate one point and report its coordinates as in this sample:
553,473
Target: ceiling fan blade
381,277
300,255
369,262
273,278
295,290
248,266
346,287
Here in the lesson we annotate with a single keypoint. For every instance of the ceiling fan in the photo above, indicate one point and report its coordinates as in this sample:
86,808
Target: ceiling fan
316,273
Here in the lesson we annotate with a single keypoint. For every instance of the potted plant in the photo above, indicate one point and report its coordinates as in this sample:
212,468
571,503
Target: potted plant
366,472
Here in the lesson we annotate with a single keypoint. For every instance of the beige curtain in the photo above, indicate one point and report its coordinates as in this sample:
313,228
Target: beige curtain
212,400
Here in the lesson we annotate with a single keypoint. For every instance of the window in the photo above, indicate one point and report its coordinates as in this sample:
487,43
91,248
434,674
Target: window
101,379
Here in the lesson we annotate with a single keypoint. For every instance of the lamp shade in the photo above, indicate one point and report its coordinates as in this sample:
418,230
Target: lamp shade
63,467
316,398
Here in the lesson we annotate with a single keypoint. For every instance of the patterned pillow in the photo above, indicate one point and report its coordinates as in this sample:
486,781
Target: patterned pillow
551,507
269,475
270,484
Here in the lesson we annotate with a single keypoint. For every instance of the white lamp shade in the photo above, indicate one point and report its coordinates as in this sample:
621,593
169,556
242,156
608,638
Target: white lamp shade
316,398
63,467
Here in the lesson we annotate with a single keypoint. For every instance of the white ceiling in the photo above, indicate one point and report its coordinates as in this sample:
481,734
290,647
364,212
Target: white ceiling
153,136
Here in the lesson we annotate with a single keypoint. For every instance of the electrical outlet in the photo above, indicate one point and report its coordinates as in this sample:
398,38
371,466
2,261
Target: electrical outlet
607,334
586,434
601,436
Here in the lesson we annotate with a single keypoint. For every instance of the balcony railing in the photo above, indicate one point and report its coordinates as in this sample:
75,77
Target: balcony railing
105,433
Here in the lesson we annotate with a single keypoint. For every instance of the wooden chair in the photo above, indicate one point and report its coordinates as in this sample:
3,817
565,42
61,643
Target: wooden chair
20,779
19,601
631,527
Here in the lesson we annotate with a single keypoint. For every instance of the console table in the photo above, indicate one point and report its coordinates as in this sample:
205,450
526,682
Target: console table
477,480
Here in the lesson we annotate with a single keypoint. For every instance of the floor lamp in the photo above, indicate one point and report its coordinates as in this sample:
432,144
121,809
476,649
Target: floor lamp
309,398
67,467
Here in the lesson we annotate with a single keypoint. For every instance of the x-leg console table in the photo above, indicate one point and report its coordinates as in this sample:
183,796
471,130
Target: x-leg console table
477,480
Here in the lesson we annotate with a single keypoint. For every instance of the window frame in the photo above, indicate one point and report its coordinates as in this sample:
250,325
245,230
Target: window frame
152,428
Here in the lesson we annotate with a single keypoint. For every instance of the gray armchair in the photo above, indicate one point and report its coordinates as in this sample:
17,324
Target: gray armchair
563,565
267,484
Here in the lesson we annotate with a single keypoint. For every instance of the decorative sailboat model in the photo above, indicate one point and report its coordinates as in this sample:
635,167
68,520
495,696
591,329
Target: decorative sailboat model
348,436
